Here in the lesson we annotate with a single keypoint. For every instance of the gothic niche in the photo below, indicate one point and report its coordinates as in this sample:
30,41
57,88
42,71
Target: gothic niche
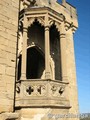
55,50
35,53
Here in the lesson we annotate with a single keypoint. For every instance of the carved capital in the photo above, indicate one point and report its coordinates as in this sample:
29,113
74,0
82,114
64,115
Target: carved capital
25,29
46,28
68,26
63,35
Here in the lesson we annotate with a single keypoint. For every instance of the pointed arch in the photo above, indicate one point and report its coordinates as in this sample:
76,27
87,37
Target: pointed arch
53,22
40,20
35,63
36,35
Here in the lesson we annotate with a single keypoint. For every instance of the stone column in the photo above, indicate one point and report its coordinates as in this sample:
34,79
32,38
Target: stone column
47,49
64,2
63,52
24,50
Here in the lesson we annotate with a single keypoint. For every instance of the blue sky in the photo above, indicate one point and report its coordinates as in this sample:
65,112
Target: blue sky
82,53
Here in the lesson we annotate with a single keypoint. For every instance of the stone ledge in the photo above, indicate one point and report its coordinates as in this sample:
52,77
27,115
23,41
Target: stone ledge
38,93
9,116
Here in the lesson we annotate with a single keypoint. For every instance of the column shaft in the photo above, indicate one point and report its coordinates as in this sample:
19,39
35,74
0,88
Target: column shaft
24,51
64,2
63,52
47,49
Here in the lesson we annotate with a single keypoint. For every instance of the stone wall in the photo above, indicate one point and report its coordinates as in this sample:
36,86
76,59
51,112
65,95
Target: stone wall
8,41
71,73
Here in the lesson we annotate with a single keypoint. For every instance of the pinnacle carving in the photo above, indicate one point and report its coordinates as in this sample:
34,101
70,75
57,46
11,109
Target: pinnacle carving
28,3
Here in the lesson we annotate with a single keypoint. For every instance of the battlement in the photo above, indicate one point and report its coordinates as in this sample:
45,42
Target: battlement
67,10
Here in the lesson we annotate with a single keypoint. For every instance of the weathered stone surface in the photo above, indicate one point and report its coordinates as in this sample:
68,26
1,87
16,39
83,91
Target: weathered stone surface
8,38
9,116
53,88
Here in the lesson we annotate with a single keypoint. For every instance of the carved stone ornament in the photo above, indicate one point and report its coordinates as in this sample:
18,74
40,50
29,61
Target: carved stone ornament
18,89
29,90
61,90
54,89
38,19
41,89
53,22
18,86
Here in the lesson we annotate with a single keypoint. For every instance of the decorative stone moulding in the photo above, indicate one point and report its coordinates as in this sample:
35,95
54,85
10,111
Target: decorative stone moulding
38,19
41,92
40,13
69,26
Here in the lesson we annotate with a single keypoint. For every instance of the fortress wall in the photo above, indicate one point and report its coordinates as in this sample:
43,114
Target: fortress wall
8,41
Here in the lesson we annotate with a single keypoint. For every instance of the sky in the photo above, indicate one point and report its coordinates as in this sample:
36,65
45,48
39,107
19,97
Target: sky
82,53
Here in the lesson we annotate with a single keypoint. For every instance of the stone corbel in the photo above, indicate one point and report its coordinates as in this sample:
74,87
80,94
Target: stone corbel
26,3
74,29
70,26
51,22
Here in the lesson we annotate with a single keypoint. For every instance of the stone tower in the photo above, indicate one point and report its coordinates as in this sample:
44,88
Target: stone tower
37,64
